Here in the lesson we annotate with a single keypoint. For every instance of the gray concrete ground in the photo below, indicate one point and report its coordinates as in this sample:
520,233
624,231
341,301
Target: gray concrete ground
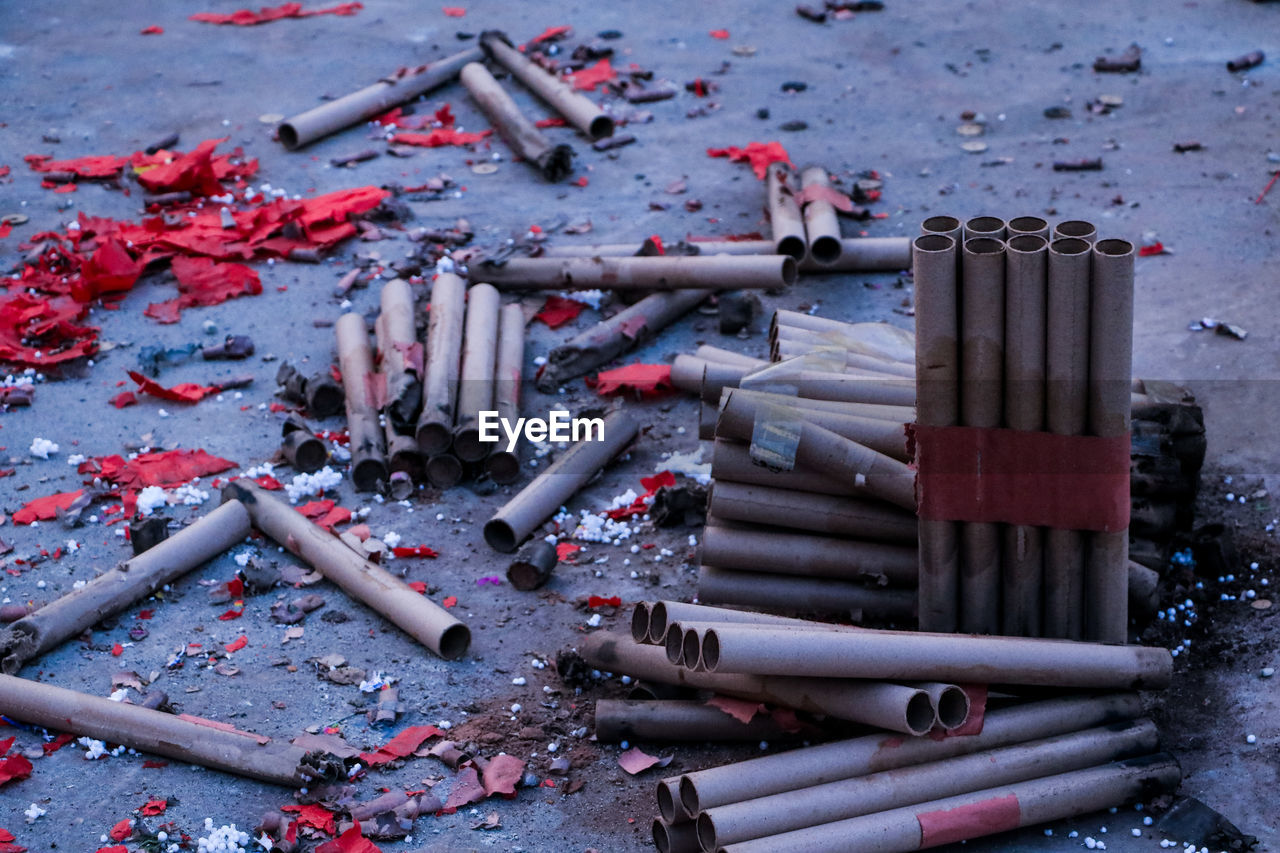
885,91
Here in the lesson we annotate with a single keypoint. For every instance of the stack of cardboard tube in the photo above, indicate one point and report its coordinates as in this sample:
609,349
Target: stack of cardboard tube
812,504
1025,331
431,397
1003,755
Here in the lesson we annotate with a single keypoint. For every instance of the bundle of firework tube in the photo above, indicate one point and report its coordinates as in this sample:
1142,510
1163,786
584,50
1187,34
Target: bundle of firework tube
959,762
1024,359
431,397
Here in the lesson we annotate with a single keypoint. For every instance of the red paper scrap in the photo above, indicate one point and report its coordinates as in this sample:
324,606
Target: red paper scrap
646,380
740,709
111,269
237,644
315,816
467,789
153,30
822,192
121,830
185,392
168,468
325,513
502,774
641,504
558,310
248,17
58,743
634,760
154,807
351,841
123,399
14,768
594,601
5,846
583,181
37,332
1156,248
454,11
565,550
117,650
551,34
115,848
46,508
587,79
414,551
202,281
439,138
418,587
402,745
449,601
758,154
6,229
719,34
553,121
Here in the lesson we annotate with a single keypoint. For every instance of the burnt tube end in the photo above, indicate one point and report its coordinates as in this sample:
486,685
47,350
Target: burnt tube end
557,163
500,535
455,641
503,467
467,444
433,438
444,470
369,475
601,127
288,136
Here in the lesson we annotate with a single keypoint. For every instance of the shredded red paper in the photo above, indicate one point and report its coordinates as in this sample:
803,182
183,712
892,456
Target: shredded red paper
152,30
565,550
645,380
454,11
414,551
351,841
402,745
124,399
237,644
440,137
758,154
740,709
57,743
449,601
46,508
325,513
594,601
168,469
185,392
502,774
14,767
317,817
202,281
635,760
121,830
719,34
558,310
589,78
551,34
5,846
249,18
467,789
641,504
1154,249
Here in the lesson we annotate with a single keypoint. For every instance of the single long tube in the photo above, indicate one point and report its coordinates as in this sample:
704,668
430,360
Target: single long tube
827,514
808,555
502,465
368,445
479,359
784,213
660,272
530,144
577,108
444,351
819,595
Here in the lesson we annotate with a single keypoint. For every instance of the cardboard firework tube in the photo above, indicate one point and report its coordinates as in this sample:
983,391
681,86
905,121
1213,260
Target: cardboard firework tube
820,385
368,449
813,323
1077,229
732,461
950,704
808,554
828,514
889,706
444,351
661,615
321,394
443,470
660,272
864,254
784,213
707,352
935,262
687,370
383,592
1022,551
675,837
1032,225
677,720
370,101
717,376
707,417
820,223
791,341
669,808
610,338
116,589
533,566
539,500
479,358
1110,370
740,416
401,356
553,161
893,789
982,298
822,331
760,589
948,226
991,227
869,472
147,730
301,447
576,108
502,465
816,765
874,411
1066,413
993,810
934,657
